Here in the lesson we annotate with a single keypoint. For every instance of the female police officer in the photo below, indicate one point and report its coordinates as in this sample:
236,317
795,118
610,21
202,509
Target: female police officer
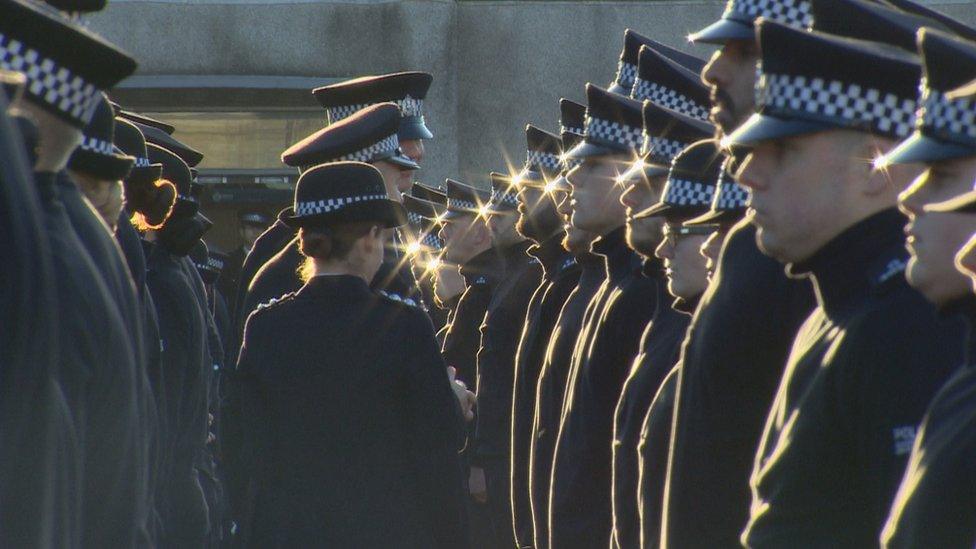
350,425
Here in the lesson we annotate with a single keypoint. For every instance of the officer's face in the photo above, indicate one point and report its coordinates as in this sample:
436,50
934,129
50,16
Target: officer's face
710,250
683,262
966,259
731,74
462,236
576,241
596,194
643,235
798,185
413,149
537,218
397,179
502,227
934,238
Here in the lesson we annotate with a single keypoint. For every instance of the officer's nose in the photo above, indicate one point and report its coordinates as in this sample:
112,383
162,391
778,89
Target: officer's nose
913,199
713,74
664,249
629,197
749,173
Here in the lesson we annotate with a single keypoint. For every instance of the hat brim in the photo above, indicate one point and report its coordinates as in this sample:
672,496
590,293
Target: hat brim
114,167
585,150
618,89
663,209
530,178
712,217
764,127
964,203
657,210
722,31
920,148
145,174
450,215
388,212
402,161
413,127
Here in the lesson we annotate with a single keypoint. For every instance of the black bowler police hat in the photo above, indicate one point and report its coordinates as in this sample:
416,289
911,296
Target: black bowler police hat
542,158
65,64
254,218
342,192
209,263
368,136
406,89
97,155
731,199
175,169
504,194
666,133
129,139
670,85
613,125
465,200
691,182
739,18
946,127
870,21
145,120
158,137
811,82
430,194
627,66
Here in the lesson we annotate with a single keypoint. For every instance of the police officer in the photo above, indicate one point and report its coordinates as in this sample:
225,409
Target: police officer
682,195
580,512
739,339
253,224
98,368
932,507
520,275
558,350
423,249
370,136
540,222
627,66
839,417
378,465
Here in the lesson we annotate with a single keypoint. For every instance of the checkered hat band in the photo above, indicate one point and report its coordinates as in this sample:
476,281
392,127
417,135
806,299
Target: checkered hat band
142,162
839,101
661,148
431,240
215,263
415,218
570,163
666,97
681,192
626,73
408,107
455,204
303,209
46,81
570,129
795,13
96,146
599,130
544,160
731,196
504,199
386,145
952,116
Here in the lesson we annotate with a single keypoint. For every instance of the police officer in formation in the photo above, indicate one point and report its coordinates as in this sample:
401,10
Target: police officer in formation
720,307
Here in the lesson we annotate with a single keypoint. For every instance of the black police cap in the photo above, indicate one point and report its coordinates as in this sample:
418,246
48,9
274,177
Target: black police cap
946,126
869,21
731,199
666,133
175,169
209,263
691,182
543,157
97,155
342,192
129,139
156,136
428,193
254,218
627,66
504,194
668,84
78,6
951,23
811,82
146,120
405,89
740,16
65,64
572,117
463,199
613,125
368,136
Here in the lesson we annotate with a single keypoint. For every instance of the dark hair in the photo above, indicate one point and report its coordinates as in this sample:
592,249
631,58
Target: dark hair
151,203
330,242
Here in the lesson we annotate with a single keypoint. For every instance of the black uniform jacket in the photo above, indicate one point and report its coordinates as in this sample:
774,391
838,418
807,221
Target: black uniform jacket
350,423
230,276
730,366
271,241
186,370
862,370
580,509
463,337
552,385
560,275
277,277
98,376
935,504
659,349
